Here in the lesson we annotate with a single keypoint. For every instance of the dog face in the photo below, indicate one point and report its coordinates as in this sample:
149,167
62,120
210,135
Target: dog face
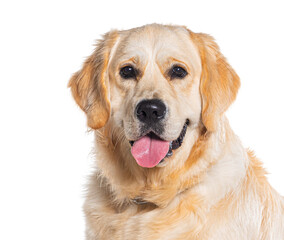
155,85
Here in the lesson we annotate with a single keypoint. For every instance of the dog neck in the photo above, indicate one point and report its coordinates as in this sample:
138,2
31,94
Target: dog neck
130,183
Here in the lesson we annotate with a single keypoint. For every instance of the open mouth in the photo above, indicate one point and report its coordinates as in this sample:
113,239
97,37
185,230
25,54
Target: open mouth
150,150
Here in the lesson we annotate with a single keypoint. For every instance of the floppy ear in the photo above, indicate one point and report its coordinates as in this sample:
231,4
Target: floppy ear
89,86
219,83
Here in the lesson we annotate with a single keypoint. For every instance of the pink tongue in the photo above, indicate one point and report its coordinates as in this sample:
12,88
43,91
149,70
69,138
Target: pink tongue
148,152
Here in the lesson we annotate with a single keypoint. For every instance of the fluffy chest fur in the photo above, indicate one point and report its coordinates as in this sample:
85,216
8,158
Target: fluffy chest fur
229,198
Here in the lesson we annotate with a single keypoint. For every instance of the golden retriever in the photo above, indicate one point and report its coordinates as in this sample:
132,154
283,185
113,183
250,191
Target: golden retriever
168,165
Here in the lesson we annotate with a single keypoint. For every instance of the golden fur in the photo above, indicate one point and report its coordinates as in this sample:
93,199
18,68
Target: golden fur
211,188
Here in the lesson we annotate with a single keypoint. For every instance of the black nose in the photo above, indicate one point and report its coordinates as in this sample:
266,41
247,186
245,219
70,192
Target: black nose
150,111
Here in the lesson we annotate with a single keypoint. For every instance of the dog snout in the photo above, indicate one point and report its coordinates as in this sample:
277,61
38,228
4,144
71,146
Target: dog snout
150,111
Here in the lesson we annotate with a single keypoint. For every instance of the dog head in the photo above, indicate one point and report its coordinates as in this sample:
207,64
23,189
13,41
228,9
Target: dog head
155,85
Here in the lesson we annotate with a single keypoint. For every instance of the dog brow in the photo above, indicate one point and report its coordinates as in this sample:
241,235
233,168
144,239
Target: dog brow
134,59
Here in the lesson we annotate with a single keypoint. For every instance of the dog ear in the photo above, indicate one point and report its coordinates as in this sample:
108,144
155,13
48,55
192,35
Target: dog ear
89,86
219,83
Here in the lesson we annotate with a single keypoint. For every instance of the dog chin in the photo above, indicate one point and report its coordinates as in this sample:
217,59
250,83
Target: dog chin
150,150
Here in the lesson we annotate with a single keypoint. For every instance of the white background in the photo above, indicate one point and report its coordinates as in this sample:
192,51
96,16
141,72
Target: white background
45,150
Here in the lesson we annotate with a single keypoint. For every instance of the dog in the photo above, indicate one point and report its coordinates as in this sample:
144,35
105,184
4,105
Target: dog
168,165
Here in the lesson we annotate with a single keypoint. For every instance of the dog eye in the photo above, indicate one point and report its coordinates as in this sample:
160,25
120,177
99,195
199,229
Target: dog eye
128,72
177,72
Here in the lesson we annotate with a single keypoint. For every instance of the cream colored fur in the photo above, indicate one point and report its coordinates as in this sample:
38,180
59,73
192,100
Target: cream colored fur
211,188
